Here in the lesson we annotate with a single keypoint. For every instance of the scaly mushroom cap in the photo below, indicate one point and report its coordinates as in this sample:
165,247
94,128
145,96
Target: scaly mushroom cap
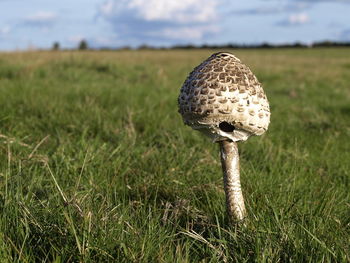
223,99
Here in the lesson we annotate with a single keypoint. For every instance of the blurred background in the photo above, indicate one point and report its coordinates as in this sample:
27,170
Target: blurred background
98,24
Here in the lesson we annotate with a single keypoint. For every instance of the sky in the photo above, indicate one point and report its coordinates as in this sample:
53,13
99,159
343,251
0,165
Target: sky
117,23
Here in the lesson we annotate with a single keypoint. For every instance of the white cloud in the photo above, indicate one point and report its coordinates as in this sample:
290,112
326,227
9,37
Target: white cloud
5,30
274,8
106,9
295,20
175,10
42,18
165,10
163,21
298,19
194,33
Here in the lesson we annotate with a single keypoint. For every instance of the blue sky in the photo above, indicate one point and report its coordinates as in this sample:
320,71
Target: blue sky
116,23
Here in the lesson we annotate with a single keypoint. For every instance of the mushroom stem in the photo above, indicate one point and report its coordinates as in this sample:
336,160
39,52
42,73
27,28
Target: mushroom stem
232,185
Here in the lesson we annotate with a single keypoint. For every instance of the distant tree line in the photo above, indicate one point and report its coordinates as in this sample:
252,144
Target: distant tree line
83,45
265,45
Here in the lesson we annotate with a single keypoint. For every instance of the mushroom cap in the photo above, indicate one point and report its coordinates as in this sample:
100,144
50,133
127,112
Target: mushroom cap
223,99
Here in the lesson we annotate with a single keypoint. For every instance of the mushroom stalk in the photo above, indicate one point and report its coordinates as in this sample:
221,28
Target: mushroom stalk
232,185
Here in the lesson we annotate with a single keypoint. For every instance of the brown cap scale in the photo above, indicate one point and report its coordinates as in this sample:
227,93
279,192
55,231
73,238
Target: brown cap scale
223,99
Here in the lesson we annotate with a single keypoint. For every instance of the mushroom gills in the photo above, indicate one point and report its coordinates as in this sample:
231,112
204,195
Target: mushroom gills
223,132
236,135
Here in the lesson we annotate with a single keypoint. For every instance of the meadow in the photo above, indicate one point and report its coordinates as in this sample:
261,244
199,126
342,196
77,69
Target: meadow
97,166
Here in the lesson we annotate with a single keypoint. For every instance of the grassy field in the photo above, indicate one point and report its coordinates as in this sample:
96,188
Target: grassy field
96,165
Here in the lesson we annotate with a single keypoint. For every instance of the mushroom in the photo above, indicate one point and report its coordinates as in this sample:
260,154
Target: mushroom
224,100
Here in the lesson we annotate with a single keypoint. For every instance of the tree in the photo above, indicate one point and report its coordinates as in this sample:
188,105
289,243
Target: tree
83,45
56,46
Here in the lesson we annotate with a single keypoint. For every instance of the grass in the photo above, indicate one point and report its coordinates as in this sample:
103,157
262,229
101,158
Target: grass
96,165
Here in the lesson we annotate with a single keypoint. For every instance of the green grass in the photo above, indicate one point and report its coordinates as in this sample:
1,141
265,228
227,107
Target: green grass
96,165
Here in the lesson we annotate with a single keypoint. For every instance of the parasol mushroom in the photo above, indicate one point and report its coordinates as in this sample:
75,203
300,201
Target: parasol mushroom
224,100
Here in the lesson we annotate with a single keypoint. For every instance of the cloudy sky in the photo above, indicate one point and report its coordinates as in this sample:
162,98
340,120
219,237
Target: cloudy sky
116,23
